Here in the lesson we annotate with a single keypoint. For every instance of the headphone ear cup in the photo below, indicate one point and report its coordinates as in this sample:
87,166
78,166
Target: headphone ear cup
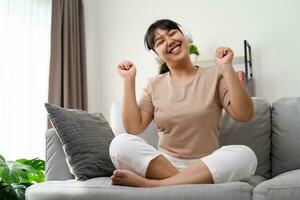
186,33
155,57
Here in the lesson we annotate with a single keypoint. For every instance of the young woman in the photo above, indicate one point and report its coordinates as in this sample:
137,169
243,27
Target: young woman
185,102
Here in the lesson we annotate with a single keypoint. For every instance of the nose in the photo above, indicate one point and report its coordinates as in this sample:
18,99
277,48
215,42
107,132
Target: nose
170,42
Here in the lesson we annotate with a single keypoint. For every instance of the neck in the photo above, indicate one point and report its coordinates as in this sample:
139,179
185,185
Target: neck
182,69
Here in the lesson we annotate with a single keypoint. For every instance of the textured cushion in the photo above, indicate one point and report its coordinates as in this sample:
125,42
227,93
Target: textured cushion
86,138
285,135
150,134
102,189
254,133
284,186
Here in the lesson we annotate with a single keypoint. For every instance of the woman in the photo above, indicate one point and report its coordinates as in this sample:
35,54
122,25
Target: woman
186,104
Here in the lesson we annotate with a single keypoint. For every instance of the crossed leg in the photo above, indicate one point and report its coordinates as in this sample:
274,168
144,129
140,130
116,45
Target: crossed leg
160,170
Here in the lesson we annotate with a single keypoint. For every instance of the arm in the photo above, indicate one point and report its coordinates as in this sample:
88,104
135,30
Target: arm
241,105
135,120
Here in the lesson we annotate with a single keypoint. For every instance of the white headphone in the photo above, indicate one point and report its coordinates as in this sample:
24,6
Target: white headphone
154,55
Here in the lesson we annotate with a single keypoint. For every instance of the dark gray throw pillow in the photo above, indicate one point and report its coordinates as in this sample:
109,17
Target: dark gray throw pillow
85,138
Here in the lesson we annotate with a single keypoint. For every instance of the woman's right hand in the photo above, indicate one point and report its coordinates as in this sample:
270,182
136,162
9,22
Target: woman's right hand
126,69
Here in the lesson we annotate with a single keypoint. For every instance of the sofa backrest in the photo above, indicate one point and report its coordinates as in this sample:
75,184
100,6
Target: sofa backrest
255,133
285,135
56,164
149,134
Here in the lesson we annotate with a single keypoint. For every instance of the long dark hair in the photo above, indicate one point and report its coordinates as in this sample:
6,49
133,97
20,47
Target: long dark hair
164,24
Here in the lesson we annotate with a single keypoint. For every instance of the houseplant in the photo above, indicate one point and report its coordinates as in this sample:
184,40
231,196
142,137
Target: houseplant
16,176
193,51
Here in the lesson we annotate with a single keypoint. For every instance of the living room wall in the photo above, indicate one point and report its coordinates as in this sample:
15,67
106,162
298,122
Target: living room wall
115,31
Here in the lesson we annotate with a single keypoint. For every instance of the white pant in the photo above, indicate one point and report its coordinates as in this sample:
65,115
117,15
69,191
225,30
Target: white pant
226,164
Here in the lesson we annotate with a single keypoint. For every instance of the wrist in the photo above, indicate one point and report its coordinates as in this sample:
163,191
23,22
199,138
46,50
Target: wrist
128,80
227,68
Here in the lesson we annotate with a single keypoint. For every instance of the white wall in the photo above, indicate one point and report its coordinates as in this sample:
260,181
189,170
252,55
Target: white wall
115,30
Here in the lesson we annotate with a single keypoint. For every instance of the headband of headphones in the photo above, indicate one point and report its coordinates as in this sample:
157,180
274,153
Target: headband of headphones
153,55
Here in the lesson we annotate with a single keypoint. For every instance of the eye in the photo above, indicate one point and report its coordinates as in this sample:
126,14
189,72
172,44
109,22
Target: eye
173,33
159,42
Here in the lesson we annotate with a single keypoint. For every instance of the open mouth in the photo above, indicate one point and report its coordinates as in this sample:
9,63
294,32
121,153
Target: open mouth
175,49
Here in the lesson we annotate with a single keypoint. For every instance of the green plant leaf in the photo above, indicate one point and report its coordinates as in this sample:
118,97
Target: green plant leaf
39,165
13,172
2,158
25,167
13,175
13,191
16,176
36,163
19,190
2,161
4,174
21,175
38,178
7,193
193,49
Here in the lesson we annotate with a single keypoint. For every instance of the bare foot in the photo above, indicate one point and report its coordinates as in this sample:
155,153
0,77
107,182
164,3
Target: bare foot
129,178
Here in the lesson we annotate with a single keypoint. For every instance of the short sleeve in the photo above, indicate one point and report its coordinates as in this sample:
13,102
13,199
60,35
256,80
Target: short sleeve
224,97
145,102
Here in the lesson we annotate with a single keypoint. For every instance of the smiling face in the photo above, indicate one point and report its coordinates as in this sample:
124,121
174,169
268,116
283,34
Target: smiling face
170,45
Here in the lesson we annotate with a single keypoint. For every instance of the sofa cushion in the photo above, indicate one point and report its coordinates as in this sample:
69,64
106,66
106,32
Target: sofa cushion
285,135
86,138
254,133
101,188
284,186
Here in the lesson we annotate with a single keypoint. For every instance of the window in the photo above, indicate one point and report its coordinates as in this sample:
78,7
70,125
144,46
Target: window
24,66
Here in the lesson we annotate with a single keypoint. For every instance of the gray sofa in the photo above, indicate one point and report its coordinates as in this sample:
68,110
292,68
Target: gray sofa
273,133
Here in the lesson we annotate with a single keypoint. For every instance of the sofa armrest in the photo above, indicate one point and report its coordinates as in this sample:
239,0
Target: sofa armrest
56,165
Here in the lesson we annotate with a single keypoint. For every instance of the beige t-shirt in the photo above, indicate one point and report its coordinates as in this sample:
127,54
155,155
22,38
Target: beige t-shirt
187,115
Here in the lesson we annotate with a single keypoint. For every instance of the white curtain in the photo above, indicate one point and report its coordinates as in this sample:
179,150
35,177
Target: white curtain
25,27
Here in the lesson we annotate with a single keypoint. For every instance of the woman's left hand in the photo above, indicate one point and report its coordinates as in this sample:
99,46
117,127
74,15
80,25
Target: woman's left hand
224,57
